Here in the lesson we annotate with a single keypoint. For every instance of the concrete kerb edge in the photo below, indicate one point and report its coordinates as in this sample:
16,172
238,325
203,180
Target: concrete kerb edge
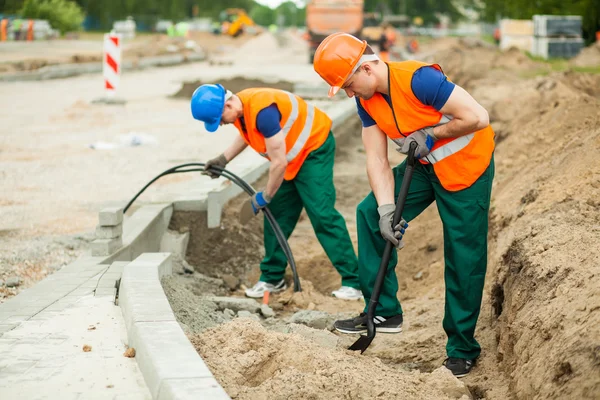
169,363
62,71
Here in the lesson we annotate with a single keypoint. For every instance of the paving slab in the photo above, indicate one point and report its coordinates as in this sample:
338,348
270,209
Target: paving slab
45,359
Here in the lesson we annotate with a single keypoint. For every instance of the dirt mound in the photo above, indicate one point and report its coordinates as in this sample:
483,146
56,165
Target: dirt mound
589,56
513,59
587,83
465,62
235,85
545,256
253,363
229,249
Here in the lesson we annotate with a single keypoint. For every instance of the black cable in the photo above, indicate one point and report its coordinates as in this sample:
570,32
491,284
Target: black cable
245,187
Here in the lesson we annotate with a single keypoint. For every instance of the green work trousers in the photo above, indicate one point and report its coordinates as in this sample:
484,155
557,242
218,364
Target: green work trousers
464,217
313,189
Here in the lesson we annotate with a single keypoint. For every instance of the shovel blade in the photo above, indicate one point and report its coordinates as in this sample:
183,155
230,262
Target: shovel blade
246,212
362,343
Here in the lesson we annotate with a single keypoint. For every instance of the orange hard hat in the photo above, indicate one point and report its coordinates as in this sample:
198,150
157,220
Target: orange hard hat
336,59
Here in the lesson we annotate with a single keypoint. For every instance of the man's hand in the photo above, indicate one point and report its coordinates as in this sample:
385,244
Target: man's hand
251,206
259,200
386,218
425,140
219,161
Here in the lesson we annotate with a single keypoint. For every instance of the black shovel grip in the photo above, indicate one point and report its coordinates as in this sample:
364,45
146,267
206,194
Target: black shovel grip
364,341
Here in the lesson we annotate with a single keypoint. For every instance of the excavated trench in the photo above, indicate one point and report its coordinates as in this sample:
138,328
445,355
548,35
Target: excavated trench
540,318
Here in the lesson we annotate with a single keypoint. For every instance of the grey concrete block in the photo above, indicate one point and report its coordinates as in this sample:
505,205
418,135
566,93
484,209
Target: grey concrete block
192,389
7,327
143,231
216,200
110,292
109,232
163,352
82,291
107,283
235,303
175,242
117,267
312,318
111,216
141,295
105,247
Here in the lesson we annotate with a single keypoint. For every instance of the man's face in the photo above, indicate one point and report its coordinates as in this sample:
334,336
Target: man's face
229,113
361,84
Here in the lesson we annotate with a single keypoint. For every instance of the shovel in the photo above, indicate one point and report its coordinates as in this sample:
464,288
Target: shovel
364,341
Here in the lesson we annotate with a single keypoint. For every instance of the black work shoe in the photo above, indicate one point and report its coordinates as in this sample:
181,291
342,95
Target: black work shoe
359,324
459,366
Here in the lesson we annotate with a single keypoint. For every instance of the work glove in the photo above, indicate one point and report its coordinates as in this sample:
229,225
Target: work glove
386,218
425,140
251,206
219,161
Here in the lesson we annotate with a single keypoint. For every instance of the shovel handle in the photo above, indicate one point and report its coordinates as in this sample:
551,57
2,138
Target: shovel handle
387,252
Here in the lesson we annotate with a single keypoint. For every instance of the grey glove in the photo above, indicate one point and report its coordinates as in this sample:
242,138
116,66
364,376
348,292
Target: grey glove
425,140
219,161
386,218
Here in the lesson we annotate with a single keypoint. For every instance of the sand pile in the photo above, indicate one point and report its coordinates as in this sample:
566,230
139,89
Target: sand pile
253,363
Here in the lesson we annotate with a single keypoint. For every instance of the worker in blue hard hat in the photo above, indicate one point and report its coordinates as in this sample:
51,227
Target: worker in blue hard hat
296,137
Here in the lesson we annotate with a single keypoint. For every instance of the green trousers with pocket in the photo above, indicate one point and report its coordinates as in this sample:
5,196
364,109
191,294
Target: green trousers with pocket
464,217
312,189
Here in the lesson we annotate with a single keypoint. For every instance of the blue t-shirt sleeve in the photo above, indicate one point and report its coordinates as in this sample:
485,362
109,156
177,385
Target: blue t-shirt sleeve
268,121
366,119
431,87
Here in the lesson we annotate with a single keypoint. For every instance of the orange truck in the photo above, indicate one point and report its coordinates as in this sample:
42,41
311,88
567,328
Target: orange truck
324,17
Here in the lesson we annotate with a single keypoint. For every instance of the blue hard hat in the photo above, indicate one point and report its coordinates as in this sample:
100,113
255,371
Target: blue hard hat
207,105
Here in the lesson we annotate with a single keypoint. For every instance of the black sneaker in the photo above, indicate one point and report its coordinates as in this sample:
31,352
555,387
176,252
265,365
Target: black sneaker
459,366
359,324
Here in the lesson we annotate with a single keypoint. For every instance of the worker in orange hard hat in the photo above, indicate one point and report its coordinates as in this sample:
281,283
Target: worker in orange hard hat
414,102
386,41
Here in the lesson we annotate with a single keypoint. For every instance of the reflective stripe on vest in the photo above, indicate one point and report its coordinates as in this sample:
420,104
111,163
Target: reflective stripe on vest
450,148
304,134
446,150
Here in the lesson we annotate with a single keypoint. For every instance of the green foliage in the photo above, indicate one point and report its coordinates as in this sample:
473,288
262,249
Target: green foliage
426,9
292,16
262,15
64,15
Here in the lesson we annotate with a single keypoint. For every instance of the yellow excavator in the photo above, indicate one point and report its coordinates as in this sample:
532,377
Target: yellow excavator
234,21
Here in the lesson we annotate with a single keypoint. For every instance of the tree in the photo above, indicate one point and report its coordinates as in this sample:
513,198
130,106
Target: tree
64,15
262,15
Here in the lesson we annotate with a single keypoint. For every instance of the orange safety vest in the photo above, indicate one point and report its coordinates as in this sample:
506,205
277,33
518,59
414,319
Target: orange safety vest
304,126
30,30
457,162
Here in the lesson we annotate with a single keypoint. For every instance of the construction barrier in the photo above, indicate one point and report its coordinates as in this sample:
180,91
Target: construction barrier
111,67
3,30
